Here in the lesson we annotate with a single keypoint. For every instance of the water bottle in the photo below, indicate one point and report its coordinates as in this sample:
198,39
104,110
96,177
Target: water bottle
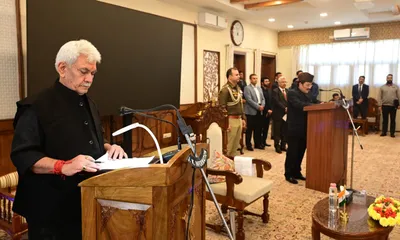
333,198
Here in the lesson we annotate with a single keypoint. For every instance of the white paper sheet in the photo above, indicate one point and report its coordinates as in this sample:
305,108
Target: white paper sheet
284,117
105,163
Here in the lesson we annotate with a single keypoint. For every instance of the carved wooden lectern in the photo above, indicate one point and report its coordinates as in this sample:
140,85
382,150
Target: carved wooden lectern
144,203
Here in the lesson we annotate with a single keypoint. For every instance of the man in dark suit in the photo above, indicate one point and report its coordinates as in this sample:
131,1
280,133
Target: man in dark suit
267,91
360,97
277,76
279,110
296,79
253,109
242,82
297,127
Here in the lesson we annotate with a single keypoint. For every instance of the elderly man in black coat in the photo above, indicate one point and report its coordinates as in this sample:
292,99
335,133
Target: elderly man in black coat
298,98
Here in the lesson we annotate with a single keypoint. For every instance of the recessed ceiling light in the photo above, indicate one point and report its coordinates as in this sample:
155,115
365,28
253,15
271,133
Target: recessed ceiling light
290,26
271,19
337,23
278,2
323,14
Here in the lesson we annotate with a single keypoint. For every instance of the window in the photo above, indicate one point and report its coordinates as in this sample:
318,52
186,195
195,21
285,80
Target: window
311,70
340,64
380,73
323,76
341,75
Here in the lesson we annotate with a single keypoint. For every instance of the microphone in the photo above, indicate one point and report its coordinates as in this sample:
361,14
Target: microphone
135,125
125,110
186,131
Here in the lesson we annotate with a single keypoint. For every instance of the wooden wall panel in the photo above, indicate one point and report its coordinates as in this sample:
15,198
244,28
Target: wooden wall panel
6,136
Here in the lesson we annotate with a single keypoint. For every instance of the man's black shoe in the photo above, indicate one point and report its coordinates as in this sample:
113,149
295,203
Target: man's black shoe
300,177
250,148
292,180
284,149
278,150
260,147
392,135
383,134
267,145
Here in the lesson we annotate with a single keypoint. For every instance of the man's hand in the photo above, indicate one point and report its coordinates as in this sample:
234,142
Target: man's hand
115,152
261,108
285,109
243,100
229,128
243,123
78,164
269,112
380,109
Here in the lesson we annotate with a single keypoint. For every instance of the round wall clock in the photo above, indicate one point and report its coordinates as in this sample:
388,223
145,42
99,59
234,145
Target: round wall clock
237,33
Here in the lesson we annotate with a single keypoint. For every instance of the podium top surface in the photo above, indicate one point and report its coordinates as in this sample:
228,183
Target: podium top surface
327,106
151,175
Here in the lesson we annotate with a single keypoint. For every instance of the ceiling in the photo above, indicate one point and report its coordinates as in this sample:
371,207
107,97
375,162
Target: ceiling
303,14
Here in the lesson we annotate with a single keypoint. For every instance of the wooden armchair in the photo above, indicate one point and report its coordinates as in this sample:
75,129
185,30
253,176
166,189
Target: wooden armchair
373,115
238,191
12,223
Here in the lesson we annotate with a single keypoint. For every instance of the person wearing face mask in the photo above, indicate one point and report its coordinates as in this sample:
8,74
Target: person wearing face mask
57,136
297,127
388,102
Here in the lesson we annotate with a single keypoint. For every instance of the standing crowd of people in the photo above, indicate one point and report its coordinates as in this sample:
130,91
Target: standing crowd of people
252,106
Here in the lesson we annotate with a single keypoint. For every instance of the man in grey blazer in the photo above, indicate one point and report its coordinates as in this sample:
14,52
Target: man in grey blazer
253,109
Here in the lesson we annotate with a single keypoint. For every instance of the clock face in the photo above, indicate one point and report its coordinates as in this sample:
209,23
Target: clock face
237,33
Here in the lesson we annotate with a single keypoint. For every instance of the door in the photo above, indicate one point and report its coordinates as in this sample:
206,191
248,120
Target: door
239,62
268,67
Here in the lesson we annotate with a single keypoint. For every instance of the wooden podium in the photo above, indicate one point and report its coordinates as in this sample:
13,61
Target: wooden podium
144,203
327,137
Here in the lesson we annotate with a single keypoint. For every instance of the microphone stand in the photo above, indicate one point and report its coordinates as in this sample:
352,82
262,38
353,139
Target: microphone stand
197,162
346,106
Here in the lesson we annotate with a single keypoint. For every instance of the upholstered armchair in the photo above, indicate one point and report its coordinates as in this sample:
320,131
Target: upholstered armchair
210,123
373,115
12,223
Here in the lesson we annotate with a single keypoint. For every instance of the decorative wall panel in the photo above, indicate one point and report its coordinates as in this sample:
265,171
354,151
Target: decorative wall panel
378,31
211,75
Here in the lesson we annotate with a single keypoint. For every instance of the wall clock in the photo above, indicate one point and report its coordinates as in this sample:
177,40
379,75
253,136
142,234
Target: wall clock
237,33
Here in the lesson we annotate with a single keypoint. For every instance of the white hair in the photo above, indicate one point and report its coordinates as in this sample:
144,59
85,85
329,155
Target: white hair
71,50
280,79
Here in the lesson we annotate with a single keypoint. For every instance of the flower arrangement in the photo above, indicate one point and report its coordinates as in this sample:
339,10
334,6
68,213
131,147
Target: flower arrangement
386,210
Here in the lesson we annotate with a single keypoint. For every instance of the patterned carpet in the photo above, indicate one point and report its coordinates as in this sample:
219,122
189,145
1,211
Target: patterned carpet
375,170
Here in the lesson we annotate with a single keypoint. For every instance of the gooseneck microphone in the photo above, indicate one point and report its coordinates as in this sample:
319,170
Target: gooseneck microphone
125,110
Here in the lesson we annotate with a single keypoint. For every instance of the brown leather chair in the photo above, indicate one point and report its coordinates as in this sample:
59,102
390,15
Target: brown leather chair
210,123
12,223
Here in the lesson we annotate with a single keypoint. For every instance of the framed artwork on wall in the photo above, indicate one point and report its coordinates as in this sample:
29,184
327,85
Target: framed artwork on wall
211,75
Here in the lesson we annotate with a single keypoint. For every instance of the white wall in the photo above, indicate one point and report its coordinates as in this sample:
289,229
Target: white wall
284,63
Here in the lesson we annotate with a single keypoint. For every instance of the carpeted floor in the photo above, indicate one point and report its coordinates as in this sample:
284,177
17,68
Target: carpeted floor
375,170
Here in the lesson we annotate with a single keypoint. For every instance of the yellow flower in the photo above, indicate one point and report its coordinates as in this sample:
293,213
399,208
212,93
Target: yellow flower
398,219
391,221
384,222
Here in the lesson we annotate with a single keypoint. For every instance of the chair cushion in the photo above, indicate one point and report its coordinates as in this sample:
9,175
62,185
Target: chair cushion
220,162
248,191
9,180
